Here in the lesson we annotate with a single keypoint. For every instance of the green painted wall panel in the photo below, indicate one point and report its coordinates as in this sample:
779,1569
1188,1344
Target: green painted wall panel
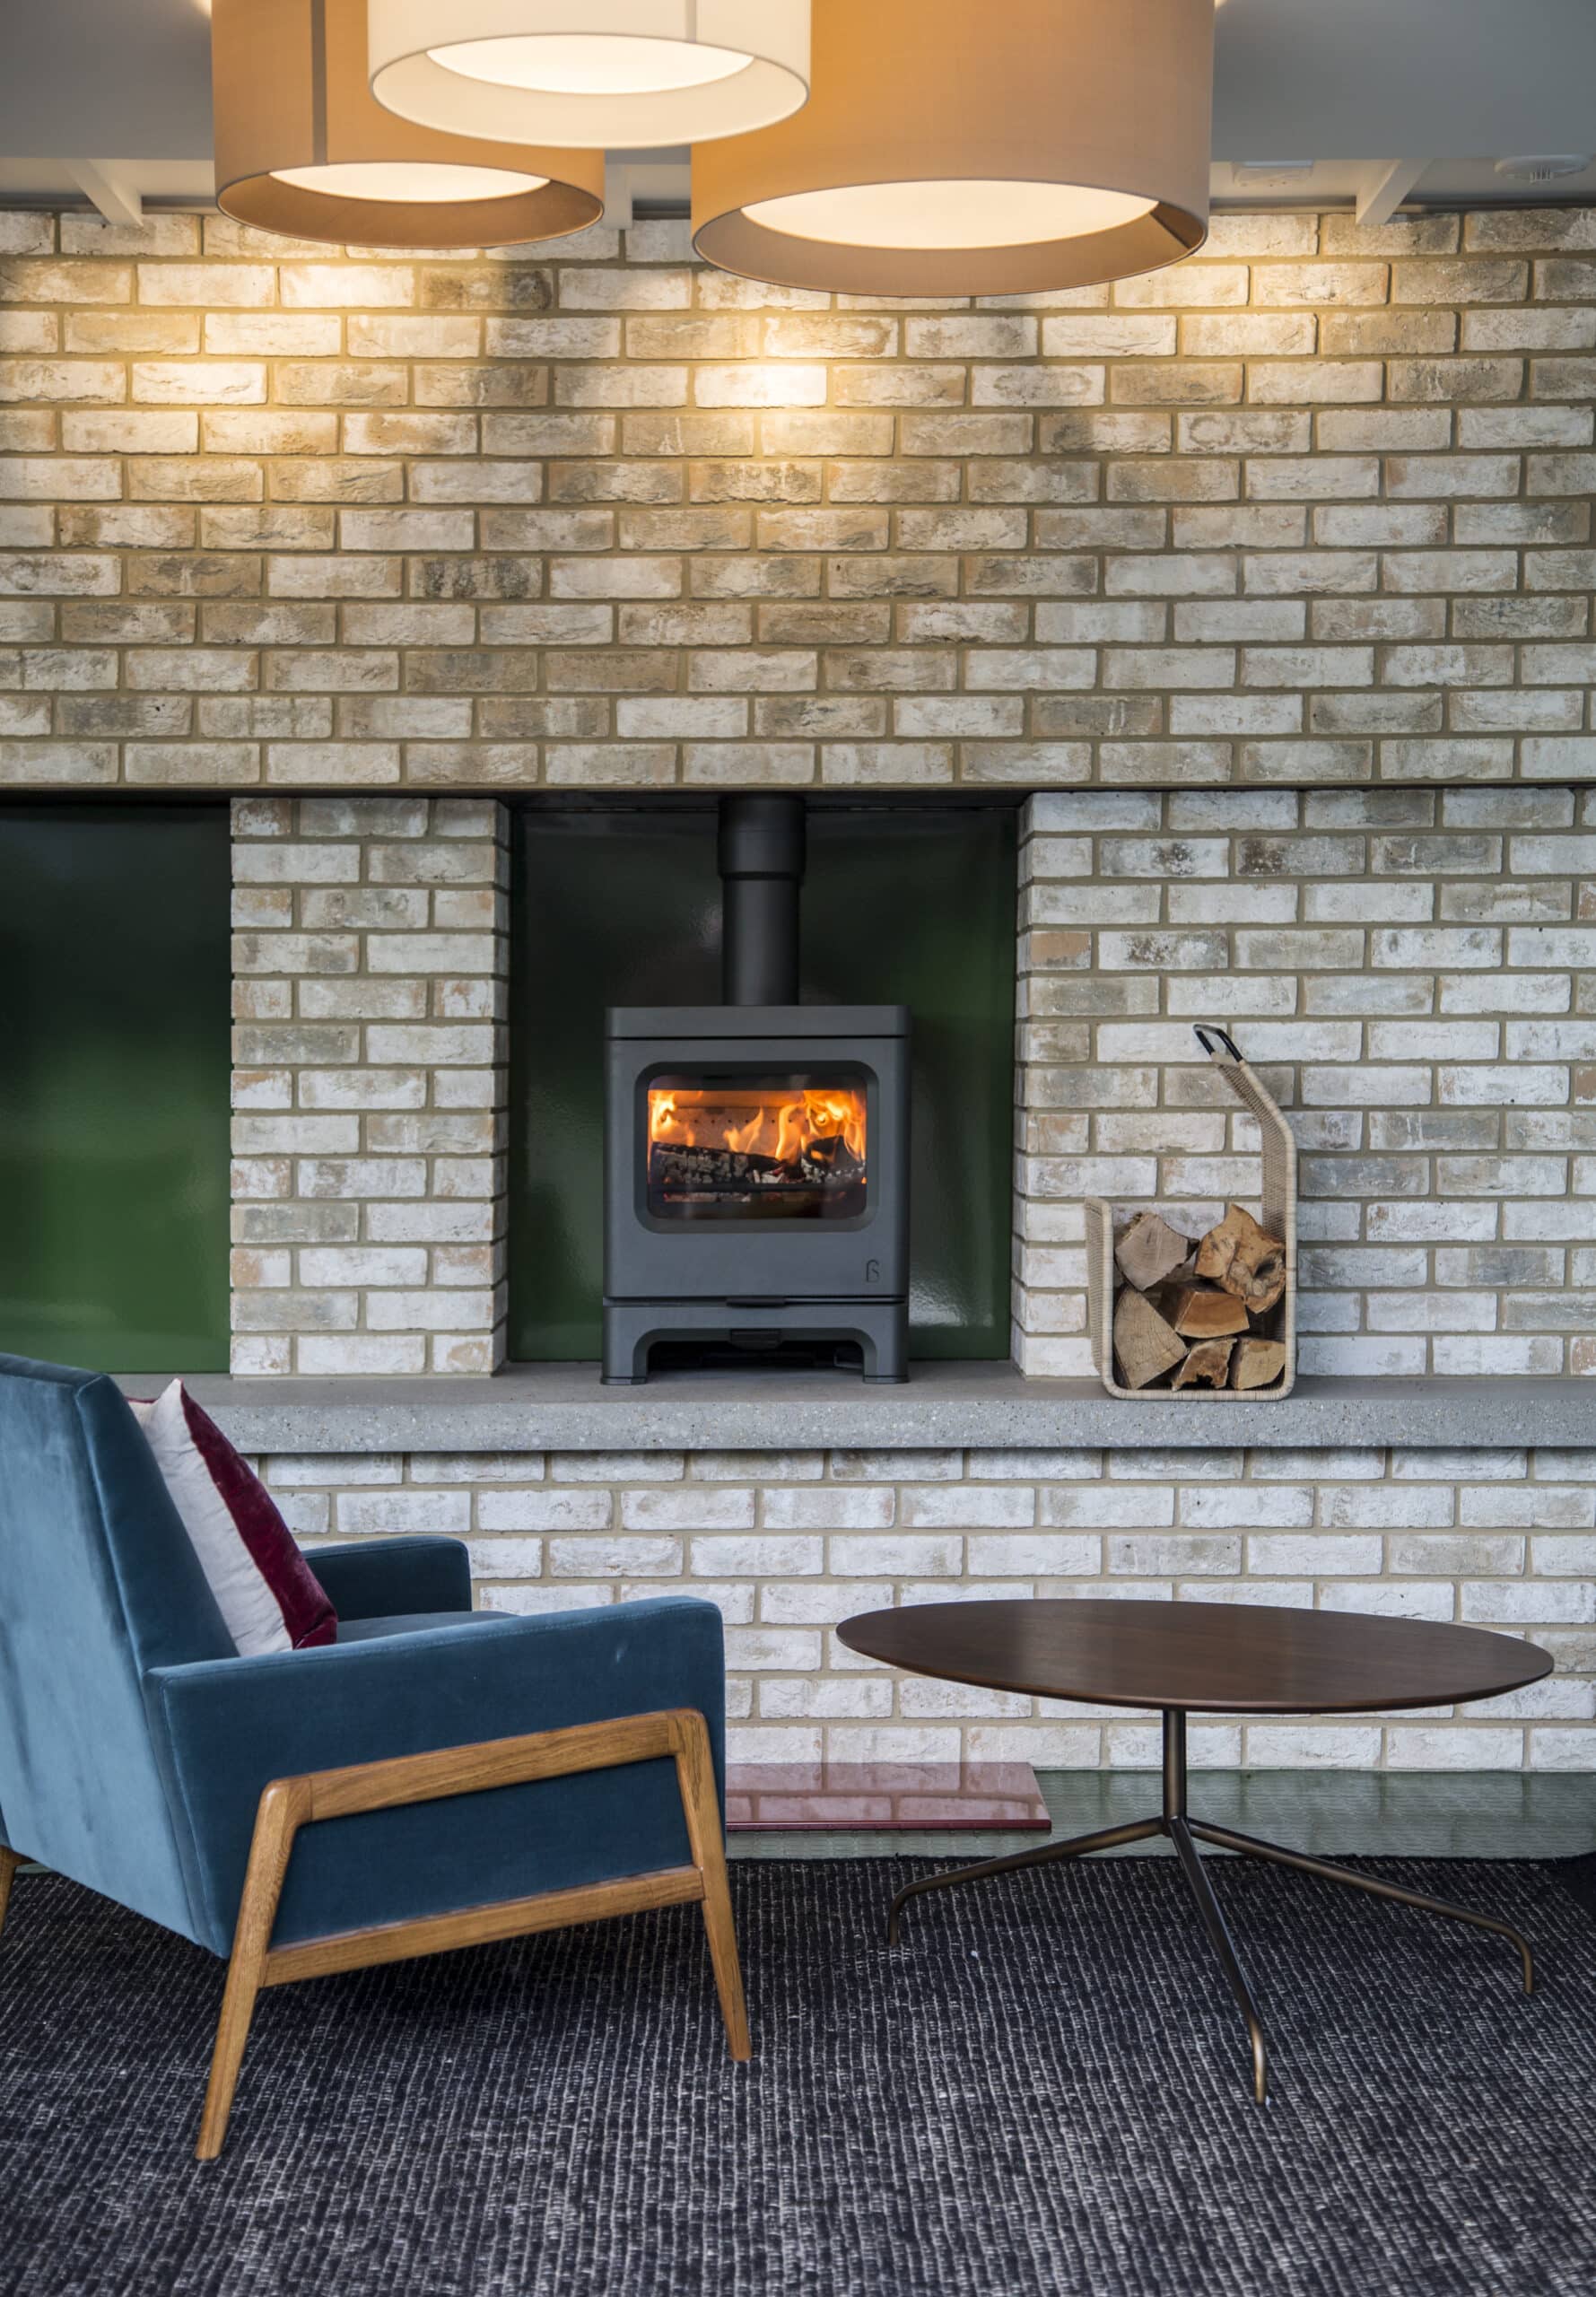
907,904
114,1085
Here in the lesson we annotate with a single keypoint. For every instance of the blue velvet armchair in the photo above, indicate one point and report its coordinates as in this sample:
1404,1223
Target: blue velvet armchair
437,1778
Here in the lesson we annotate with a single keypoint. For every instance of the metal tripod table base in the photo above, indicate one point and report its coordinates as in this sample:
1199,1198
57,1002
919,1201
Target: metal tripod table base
1185,1833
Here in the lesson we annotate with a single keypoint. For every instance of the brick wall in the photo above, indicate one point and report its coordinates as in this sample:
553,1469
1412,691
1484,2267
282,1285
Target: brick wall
788,1544
1413,971
371,539
368,1085
1311,508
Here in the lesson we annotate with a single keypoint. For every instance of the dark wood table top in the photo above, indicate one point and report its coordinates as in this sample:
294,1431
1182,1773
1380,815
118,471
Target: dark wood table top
1219,1658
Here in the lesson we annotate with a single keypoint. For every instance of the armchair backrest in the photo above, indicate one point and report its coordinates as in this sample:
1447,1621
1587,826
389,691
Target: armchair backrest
98,1583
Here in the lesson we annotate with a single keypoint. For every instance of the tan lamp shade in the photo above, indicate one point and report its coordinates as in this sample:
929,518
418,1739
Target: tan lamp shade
302,148
973,147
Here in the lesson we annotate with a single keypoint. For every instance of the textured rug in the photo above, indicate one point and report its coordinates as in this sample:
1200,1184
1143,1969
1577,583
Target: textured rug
1043,2089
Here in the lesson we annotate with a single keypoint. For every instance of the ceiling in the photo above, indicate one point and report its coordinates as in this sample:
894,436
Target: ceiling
1352,86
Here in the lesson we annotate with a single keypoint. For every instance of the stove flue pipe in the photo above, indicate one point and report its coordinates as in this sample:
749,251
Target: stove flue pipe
762,868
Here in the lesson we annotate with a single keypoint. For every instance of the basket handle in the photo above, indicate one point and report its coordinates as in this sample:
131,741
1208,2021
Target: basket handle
1201,1033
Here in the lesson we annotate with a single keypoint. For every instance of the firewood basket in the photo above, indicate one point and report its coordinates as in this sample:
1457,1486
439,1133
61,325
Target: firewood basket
1279,1217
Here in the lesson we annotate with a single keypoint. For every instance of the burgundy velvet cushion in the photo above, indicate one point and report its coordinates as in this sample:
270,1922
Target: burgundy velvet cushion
266,1592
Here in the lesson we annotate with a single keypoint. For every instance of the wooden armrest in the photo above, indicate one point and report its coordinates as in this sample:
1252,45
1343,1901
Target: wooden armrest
489,1762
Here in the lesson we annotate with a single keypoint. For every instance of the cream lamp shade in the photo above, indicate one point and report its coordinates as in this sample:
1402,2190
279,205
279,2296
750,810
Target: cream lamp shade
301,148
974,147
625,74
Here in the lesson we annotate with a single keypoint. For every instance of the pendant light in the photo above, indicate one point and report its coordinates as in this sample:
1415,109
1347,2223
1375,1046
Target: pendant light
303,149
626,74
952,148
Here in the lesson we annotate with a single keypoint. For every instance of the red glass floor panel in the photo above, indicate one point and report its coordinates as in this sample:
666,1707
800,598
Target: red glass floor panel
897,1796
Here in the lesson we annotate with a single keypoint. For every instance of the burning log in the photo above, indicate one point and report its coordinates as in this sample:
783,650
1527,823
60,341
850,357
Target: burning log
740,1172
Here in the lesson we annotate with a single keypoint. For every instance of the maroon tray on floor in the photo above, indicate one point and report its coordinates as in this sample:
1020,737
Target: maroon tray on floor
951,1796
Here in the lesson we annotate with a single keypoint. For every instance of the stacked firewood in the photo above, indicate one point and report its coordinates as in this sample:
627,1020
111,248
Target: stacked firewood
1193,1308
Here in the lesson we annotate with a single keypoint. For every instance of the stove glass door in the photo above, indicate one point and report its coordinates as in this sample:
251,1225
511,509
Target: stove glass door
748,1144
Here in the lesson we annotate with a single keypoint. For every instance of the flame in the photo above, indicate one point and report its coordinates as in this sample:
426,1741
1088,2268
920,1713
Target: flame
775,1122
742,1136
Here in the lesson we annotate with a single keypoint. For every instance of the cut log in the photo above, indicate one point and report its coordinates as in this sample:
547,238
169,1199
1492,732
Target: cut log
1257,1363
1204,1314
1149,1251
1244,1258
1209,1360
1143,1344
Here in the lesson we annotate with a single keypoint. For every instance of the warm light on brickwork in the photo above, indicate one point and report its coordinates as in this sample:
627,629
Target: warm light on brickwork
1311,508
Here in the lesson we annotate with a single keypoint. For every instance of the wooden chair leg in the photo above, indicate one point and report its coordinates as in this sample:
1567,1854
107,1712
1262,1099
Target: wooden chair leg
10,1860
696,1773
284,1806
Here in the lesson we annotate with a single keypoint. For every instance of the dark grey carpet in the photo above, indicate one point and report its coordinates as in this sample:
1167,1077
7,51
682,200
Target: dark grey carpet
1043,2090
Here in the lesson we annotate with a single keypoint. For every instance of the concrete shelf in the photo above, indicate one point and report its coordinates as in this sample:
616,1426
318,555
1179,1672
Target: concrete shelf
982,1406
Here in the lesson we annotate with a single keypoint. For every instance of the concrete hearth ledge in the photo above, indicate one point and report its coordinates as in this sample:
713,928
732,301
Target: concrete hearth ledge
563,1408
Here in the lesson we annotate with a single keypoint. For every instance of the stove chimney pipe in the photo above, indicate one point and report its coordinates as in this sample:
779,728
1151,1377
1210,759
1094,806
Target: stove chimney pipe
762,867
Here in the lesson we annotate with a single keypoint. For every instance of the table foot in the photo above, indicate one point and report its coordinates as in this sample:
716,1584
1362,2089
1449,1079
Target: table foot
1219,1938
1080,1845
1252,1847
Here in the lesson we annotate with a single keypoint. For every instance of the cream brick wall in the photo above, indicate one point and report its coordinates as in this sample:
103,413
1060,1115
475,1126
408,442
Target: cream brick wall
1310,510
368,1085
1412,971
788,1544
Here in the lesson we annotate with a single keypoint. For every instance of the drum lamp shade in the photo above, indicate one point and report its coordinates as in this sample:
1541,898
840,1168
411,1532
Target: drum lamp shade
303,149
948,149
631,74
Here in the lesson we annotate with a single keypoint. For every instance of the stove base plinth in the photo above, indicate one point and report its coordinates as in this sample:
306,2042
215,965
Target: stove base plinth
878,1328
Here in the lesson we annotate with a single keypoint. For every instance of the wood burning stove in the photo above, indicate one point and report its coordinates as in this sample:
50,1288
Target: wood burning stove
756,1152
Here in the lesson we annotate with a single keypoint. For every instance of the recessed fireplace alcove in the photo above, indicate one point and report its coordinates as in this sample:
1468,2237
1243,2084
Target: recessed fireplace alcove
811,1116
756,1151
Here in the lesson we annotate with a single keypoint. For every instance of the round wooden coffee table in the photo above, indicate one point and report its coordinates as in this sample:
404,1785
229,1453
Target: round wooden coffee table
1210,1658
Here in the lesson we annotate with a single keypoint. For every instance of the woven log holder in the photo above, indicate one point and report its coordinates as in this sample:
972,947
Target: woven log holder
1279,1217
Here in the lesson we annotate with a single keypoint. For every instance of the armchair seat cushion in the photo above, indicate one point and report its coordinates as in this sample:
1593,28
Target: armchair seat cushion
367,1630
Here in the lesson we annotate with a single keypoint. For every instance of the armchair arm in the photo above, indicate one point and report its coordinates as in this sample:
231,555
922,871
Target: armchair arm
227,1727
386,1579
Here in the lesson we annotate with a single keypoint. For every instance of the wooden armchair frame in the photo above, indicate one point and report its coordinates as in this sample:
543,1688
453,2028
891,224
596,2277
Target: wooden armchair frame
287,1804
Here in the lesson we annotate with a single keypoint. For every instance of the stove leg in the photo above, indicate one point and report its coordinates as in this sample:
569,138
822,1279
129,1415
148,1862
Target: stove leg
1080,1845
881,1327
1250,1847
